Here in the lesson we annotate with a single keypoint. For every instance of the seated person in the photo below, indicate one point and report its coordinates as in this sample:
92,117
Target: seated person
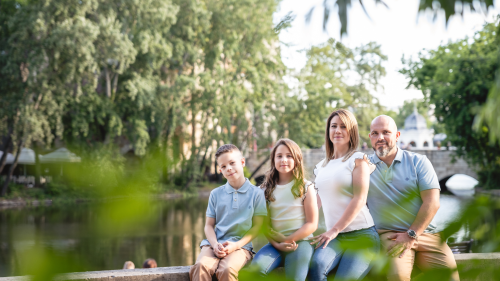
235,214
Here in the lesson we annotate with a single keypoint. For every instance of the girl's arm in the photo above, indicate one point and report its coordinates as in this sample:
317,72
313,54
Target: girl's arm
311,212
360,185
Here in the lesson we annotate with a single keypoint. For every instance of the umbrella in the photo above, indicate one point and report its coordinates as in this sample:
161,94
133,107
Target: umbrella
60,155
10,158
27,157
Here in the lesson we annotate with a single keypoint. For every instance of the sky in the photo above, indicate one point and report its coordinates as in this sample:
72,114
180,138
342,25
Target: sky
400,30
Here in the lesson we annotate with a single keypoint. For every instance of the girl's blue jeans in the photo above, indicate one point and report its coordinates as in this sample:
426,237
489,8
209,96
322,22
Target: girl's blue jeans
351,252
296,263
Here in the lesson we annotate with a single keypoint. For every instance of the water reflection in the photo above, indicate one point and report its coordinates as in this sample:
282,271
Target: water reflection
172,240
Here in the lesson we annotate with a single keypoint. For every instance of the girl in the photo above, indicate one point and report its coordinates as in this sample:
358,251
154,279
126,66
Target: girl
342,181
293,214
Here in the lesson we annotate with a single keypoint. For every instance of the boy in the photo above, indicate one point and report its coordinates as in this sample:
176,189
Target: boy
235,214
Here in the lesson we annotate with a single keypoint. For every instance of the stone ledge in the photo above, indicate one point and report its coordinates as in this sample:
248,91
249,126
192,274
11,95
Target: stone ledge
176,273
467,264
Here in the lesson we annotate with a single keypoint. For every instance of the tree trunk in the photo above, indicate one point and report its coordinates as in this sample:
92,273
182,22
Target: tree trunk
11,170
7,146
108,82
258,168
38,168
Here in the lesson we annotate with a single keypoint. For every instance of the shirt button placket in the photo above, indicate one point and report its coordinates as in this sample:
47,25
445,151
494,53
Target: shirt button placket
235,200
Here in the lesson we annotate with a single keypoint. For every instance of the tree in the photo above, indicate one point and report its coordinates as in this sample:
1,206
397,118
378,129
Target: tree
171,77
335,76
457,78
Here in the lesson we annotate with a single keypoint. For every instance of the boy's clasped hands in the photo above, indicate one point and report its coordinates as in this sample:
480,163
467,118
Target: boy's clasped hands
221,250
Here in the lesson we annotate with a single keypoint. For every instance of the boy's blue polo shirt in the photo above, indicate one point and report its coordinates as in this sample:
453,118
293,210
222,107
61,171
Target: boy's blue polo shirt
394,195
233,211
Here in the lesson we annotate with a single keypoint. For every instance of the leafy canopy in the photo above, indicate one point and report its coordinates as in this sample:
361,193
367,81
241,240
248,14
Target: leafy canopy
457,78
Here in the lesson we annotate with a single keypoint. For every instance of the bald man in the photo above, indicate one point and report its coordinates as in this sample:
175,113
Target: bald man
403,199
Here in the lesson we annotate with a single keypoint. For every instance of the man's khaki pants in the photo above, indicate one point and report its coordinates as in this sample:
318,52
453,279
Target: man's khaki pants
428,253
226,268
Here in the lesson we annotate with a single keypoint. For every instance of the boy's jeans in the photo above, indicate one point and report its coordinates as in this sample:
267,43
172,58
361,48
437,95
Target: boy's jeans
296,263
351,251
226,268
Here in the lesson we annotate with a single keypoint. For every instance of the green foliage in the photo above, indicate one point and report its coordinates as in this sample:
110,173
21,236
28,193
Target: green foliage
456,78
173,78
488,115
335,76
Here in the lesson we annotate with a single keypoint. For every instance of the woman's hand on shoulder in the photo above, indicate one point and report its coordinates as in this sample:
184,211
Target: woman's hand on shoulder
365,162
325,238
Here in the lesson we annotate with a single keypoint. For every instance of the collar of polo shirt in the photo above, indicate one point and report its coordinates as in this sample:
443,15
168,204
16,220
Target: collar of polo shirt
399,157
243,189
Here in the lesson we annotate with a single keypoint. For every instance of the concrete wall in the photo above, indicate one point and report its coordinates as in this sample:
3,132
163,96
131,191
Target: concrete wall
440,159
471,267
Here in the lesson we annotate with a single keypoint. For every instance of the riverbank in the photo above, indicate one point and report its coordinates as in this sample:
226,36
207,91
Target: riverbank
20,202
489,192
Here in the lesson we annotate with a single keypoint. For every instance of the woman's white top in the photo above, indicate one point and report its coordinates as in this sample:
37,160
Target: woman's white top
334,185
287,212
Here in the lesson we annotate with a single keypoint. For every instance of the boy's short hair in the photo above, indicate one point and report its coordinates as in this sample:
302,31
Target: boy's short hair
225,149
149,263
129,265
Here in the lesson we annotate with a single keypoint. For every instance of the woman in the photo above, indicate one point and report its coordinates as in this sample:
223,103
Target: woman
293,214
342,181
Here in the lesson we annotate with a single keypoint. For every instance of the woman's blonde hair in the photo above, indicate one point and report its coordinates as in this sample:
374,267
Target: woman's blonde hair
351,125
272,176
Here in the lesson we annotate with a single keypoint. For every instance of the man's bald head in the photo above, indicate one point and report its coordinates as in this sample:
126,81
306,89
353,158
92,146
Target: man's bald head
384,135
386,121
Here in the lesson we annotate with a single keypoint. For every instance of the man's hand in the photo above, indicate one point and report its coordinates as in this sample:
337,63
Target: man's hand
402,244
230,247
286,247
325,238
276,236
219,251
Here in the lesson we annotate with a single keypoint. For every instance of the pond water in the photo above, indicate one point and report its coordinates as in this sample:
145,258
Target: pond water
172,240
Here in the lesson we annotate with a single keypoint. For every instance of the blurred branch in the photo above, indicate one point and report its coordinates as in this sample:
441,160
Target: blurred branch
447,6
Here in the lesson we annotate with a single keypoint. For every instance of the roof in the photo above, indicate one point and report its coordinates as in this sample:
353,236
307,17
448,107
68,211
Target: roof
60,155
415,121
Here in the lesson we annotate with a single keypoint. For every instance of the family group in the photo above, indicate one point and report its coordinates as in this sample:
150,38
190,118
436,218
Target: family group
381,204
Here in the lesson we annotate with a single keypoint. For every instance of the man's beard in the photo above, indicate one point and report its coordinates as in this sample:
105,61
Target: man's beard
381,152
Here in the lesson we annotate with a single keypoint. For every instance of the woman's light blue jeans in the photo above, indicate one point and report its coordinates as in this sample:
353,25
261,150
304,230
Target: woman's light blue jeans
296,263
352,252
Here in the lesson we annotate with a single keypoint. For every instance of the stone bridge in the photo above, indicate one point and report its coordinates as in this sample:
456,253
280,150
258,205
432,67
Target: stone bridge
440,159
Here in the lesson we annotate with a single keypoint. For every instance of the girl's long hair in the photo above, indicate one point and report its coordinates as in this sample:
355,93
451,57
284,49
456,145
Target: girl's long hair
272,176
351,125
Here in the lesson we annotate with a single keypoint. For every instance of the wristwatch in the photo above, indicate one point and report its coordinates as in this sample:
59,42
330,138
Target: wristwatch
412,234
